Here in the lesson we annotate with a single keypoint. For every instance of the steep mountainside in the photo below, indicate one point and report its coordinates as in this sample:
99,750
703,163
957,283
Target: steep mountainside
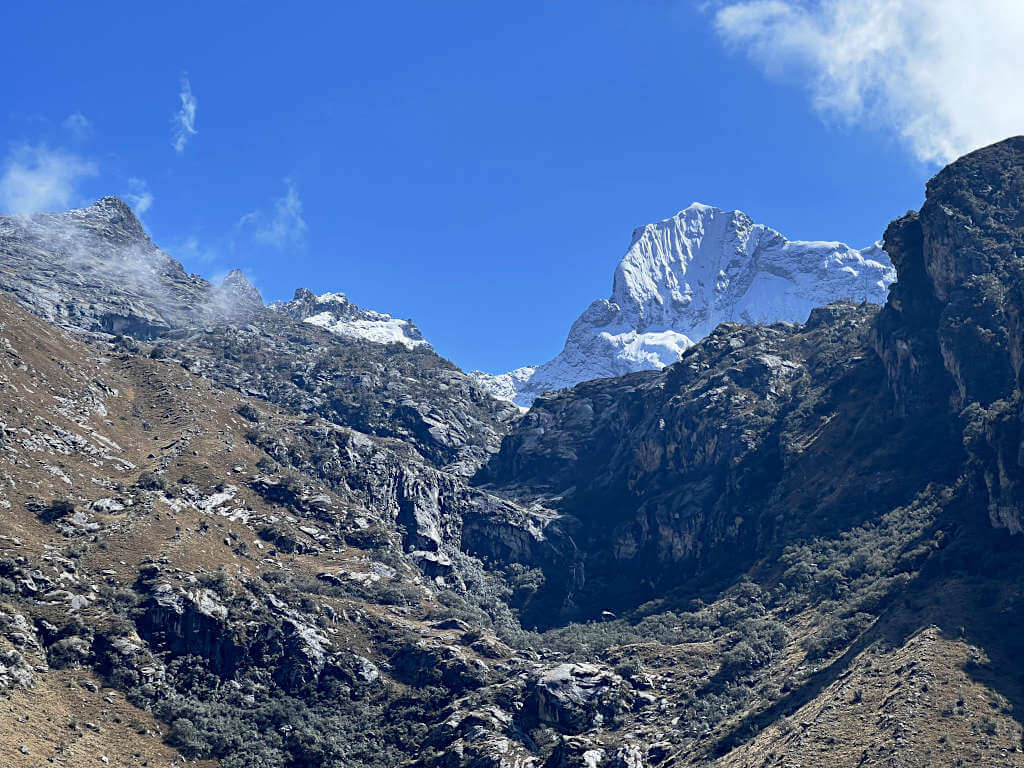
714,455
228,535
682,277
760,434
96,270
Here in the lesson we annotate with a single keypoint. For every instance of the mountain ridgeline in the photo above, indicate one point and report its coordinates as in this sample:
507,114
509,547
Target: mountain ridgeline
682,277
294,536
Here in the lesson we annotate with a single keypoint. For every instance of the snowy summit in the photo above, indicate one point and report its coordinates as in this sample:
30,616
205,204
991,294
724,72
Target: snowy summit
683,276
335,313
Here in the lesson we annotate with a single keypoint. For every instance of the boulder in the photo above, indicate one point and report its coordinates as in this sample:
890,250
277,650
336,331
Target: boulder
573,698
190,622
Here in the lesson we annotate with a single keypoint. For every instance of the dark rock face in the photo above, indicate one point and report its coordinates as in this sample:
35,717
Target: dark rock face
958,301
710,463
960,268
705,465
906,331
191,623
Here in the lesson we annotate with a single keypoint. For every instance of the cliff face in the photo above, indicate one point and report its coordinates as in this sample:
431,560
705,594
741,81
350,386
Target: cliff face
959,301
960,262
757,436
760,434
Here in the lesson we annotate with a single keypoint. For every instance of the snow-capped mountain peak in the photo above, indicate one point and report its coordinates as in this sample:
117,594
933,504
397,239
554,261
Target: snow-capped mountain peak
336,314
684,275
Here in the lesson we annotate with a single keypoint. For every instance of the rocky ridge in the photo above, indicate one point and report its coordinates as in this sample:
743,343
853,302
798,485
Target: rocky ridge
96,271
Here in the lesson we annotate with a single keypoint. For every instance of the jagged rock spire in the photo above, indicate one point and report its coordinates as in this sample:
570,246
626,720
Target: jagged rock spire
236,286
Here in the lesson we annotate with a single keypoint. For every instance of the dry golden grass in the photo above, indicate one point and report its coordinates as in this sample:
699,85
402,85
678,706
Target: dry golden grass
62,722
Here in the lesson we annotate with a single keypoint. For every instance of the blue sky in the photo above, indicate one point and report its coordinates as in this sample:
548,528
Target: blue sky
478,167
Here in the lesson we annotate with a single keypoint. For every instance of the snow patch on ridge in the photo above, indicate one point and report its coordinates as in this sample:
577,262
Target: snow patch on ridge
506,386
381,330
335,313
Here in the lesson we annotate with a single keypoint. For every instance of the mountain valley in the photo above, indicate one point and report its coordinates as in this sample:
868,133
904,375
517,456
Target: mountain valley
751,534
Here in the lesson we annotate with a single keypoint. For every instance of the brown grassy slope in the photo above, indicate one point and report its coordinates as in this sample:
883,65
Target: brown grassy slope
84,422
71,433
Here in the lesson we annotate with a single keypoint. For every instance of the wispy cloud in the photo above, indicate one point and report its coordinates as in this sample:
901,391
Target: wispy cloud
37,178
284,227
184,121
138,196
77,125
192,251
940,74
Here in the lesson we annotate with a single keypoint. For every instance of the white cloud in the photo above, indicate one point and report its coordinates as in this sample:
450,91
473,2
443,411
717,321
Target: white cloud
77,125
944,75
184,121
284,227
36,178
138,196
191,251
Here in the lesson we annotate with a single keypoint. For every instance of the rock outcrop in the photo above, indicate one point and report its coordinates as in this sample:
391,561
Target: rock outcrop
952,330
575,698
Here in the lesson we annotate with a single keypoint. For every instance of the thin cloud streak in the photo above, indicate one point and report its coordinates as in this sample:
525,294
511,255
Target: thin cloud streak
184,121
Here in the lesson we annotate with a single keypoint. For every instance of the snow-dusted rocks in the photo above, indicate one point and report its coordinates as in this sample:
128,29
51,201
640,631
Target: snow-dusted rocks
507,386
237,291
335,313
683,276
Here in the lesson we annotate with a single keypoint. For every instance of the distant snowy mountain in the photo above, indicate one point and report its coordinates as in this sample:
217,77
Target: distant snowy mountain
335,313
683,276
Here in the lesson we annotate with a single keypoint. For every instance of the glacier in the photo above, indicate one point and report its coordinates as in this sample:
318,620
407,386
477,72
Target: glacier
683,276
